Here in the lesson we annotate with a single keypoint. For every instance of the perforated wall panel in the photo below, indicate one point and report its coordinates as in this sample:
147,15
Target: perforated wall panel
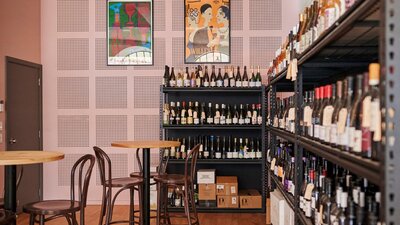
237,14
159,56
110,128
101,56
237,51
111,92
159,15
101,15
73,92
147,127
147,92
178,21
73,131
265,14
177,52
72,54
72,15
64,169
119,166
263,48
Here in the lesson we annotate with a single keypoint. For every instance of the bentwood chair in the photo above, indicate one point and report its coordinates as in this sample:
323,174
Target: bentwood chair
184,183
6,217
52,209
108,183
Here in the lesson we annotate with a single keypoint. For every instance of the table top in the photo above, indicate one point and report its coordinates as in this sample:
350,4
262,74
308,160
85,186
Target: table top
145,144
28,157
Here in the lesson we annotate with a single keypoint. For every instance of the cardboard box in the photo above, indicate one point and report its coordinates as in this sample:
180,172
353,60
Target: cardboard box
227,185
228,201
206,176
289,215
277,208
250,199
207,192
208,203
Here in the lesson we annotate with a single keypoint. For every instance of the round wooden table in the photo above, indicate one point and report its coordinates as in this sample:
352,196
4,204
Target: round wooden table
10,159
146,146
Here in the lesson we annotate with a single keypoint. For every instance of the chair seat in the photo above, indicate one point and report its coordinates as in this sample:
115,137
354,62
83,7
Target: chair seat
125,182
138,174
177,179
52,207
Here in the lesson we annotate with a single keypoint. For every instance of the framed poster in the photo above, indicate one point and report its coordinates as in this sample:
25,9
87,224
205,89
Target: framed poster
129,32
207,31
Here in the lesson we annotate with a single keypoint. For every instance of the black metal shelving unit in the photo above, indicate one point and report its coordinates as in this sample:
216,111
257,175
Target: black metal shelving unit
368,32
250,172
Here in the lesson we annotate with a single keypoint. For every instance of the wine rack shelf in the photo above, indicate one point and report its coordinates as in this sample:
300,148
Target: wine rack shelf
250,172
213,127
368,32
288,197
356,164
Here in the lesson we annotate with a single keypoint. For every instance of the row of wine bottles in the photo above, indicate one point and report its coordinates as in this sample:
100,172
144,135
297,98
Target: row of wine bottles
175,196
197,78
218,147
346,115
313,21
329,194
194,114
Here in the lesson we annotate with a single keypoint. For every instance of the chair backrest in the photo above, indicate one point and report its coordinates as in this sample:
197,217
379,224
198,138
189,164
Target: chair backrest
104,163
162,166
190,162
84,166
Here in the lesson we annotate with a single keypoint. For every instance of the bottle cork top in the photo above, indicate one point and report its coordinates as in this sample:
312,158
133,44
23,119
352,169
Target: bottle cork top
374,73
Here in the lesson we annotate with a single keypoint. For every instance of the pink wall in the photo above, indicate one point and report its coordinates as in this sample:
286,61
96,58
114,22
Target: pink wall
19,38
78,116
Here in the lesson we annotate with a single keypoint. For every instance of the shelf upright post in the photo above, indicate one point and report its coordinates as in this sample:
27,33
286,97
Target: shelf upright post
390,62
264,103
298,149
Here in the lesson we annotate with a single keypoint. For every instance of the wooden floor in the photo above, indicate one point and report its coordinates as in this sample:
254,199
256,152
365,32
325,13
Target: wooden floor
121,212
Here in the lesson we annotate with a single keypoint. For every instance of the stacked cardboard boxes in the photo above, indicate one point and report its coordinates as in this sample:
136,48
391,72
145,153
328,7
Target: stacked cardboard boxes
207,190
227,192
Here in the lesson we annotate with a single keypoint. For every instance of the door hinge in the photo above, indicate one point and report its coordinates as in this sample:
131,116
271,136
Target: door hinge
39,82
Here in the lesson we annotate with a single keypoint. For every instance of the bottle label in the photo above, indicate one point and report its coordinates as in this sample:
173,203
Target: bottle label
206,84
232,83
226,83
222,120
206,154
307,208
172,83
238,83
376,120
254,118
210,120
179,83
259,120
316,130
258,83
229,155
301,202
343,199
316,218
218,155
366,141
321,132
362,199
166,118
220,83
172,152
228,121
366,112
212,84
241,121
333,134
186,83
329,17
342,120
357,141
258,155
252,84
252,155
235,120
190,120
247,120
345,137
273,164
307,194
313,203
235,155
245,83
198,82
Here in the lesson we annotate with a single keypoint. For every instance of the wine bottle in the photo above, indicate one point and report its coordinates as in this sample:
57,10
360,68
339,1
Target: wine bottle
201,148
355,143
252,82
166,113
206,147
199,76
235,118
226,78
203,115
229,154
172,78
166,77
218,152
210,114
232,78
212,147
229,115
333,139
224,156
220,81
327,202
241,149
318,128
223,115
179,79
190,117
315,110
344,117
259,115
193,78
325,130
186,78
206,80
178,113
258,77
254,114
238,80
245,80
196,114
217,115
258,152
235,153
184,114
241,115
247,119
213,79
172,114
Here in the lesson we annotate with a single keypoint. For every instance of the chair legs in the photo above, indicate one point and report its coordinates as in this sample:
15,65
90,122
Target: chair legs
32,219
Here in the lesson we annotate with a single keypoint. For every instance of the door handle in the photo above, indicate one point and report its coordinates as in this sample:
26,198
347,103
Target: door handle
12,141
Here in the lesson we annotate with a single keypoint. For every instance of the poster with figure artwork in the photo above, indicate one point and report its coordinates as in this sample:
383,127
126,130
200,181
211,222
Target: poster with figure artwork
207,31
130,32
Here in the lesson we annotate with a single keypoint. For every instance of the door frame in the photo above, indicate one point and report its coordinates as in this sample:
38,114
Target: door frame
39,68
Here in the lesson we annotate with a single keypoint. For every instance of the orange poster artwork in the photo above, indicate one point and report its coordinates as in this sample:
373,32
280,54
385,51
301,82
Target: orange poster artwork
207,31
